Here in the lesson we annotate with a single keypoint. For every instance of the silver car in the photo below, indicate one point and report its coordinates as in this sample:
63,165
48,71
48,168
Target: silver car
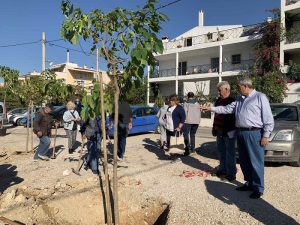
284,145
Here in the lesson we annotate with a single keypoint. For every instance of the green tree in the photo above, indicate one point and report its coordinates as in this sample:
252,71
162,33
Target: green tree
127,40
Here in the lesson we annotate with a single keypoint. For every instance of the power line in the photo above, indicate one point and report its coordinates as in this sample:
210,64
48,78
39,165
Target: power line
75,50
20,44
166,5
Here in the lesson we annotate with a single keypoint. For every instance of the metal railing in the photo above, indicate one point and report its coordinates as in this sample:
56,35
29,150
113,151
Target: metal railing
294,38
201,69
244,65
243,31
291,2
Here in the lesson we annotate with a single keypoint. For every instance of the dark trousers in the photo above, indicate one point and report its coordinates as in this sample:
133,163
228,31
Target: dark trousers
251,156
94,148
189,131
169,134
122,135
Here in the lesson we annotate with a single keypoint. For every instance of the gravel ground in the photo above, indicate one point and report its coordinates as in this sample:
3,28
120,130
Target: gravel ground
193,200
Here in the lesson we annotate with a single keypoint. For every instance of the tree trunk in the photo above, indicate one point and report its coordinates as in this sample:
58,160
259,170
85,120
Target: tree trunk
31,121
107,184
116,120
27,138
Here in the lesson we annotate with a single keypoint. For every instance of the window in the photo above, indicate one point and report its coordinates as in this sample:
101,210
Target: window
189,42
182,67
209,36
139,112
1,109
150,111
236,59
214,65
80,82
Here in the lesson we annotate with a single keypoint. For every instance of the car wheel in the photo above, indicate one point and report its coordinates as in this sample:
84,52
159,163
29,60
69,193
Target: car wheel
296,164
18,122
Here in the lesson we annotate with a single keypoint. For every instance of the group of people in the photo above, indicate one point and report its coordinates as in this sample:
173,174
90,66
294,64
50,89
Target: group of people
176,119
247,120
90,129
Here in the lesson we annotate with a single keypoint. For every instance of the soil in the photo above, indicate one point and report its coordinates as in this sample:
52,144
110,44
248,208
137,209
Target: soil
153,188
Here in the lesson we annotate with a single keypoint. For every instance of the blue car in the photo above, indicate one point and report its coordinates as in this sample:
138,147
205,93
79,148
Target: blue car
144,120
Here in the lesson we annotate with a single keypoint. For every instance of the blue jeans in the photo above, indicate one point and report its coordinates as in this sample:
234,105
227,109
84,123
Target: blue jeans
43,147
226,150
94,148
189,131
251,155
122,135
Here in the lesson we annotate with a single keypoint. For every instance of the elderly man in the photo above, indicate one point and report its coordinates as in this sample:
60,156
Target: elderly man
42,128
224,129
254,122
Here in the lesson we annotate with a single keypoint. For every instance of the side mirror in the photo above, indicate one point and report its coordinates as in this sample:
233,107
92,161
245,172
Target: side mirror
134,116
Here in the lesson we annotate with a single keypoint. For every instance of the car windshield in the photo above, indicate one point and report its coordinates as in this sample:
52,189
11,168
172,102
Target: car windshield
284,112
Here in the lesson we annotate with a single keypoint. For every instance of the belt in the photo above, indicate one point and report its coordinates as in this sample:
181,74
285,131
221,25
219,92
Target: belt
249,128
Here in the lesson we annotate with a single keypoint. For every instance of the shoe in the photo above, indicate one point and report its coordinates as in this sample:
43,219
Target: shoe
245,187
43,157
96,172
70,151
256,195
230,178
119,159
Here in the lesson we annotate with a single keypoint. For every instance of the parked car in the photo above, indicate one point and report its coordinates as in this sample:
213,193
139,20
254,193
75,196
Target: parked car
284,145
15,111
57,114
3,119
143,120
16,118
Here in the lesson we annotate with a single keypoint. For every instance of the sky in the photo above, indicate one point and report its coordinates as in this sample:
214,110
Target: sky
23,22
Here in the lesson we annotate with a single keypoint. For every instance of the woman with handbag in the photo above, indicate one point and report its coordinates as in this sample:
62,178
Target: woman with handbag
71,120
162,123
175,117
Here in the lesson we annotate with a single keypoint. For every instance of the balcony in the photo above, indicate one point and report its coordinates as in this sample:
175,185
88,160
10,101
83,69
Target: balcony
203,69
294,37
291,2
243,31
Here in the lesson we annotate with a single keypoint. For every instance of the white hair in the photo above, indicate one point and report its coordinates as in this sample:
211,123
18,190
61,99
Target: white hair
224,84
246,81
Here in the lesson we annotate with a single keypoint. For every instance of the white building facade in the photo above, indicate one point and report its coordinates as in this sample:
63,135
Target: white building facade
203,56
290,46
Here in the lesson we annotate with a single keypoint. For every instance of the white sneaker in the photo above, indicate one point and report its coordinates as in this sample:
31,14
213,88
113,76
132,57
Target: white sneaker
119,159
43,157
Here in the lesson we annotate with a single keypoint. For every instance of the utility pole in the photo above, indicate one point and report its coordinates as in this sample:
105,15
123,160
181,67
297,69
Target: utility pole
43,51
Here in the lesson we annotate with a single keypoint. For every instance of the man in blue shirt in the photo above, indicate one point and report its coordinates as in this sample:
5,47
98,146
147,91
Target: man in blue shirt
254,122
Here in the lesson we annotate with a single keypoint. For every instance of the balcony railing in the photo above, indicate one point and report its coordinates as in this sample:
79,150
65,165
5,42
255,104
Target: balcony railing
215,36
291,2
244,65
293,38
202,69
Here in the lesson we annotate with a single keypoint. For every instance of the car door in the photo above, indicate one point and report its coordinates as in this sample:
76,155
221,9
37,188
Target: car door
138,121
151,119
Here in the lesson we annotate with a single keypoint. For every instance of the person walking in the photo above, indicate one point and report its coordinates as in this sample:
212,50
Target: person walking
225,131
254,122
42,128
162,123
175,117
191,124
124,125
91,130
71,119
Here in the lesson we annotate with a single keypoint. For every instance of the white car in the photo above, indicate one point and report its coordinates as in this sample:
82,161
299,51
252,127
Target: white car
3,119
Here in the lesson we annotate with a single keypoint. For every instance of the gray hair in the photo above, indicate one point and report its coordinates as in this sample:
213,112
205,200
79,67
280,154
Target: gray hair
224,84
246,81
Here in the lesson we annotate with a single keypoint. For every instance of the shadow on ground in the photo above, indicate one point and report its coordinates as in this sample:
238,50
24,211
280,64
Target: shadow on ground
208,150
259,209
8,176
153,146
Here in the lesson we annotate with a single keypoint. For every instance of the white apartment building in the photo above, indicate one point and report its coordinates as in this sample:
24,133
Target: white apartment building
290,46
203,56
